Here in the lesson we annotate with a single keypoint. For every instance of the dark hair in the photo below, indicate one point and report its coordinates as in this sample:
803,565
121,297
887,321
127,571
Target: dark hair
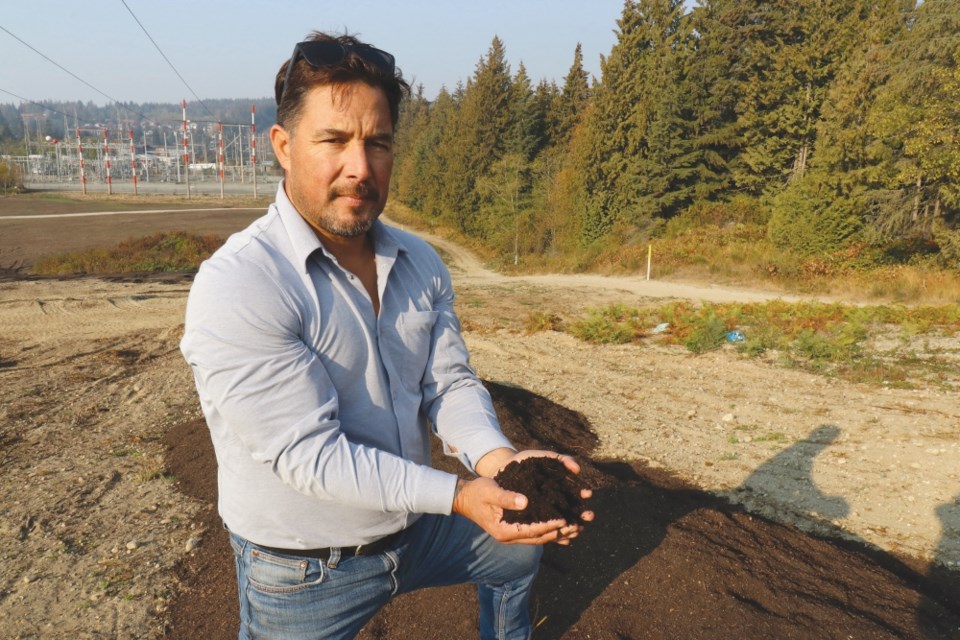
353,68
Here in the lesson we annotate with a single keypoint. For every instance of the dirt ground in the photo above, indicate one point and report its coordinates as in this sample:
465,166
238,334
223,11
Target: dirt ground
733,497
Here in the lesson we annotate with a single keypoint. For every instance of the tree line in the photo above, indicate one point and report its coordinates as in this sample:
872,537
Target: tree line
60,119
829,123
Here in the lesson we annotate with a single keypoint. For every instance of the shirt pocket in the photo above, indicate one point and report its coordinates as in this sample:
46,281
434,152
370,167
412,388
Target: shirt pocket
411,352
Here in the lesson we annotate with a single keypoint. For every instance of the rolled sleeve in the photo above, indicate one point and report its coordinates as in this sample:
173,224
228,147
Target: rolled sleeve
455,400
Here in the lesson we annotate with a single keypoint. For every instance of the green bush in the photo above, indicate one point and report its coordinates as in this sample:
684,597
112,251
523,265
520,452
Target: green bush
742,210
808,220
616,324
709,332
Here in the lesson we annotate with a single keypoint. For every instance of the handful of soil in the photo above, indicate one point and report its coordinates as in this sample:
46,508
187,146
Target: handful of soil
552,491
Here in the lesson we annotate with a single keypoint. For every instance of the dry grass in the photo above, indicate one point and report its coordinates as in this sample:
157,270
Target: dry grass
177,251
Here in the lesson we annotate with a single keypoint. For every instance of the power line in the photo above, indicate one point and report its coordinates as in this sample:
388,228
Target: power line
22,99
165,57
61,67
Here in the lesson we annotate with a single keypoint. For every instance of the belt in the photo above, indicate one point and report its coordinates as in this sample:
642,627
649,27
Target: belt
369,549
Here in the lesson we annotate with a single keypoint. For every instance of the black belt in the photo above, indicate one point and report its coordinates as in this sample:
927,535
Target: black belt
369,549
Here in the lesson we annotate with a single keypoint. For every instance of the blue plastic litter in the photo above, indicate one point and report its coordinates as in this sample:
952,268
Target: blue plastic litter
735,336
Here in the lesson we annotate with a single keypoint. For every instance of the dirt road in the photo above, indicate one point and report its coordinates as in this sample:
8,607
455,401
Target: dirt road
91,380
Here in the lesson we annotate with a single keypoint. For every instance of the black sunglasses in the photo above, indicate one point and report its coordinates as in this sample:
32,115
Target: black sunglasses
321,53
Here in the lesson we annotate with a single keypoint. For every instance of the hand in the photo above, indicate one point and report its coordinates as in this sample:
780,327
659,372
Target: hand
483,501
559,531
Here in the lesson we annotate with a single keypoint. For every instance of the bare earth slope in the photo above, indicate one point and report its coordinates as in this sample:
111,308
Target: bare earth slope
92,529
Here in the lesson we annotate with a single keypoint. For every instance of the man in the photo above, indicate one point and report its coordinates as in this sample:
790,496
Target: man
324,344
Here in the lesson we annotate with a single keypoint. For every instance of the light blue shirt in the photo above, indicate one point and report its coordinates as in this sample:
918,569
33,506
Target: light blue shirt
320,410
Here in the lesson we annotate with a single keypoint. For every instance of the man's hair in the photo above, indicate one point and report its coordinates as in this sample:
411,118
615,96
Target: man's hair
353,68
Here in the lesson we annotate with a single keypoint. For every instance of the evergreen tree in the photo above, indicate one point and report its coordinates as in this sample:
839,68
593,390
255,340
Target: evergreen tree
716,81
914,123
636,120
432,156
524,133
559,197
550,206
478,139
572,100
546,99
763,69
824,208
413,124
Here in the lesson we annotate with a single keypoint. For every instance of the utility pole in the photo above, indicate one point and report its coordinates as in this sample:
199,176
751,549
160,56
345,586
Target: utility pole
186,148
83,175
253,146
133,164
106,156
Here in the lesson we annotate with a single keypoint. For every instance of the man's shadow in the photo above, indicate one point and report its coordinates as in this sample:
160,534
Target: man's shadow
787,480
943,582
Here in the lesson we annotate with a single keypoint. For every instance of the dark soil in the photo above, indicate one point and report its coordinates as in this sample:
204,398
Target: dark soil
552,492
662,560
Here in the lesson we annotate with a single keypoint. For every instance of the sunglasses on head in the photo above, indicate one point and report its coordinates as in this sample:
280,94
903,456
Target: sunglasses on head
321,53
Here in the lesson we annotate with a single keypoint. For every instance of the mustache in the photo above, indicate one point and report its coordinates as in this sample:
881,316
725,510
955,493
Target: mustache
360,190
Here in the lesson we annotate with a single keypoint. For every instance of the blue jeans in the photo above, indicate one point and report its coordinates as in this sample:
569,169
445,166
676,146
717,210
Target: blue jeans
287,597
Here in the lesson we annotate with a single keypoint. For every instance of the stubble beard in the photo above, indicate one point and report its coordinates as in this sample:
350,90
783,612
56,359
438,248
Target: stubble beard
353,229
361,220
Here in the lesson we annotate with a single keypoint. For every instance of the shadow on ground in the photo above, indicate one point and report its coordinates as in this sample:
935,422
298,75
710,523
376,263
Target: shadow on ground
663,560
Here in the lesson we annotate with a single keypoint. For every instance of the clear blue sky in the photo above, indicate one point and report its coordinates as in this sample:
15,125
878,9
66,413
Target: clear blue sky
232,48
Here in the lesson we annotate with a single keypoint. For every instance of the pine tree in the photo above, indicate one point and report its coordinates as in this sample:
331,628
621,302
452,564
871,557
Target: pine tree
524,133
716,81
503,189
478,138
635,121
546,99
427,160
822,207
572,100
913,120
413,124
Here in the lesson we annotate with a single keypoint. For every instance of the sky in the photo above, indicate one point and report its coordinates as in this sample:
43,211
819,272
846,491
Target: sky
232,48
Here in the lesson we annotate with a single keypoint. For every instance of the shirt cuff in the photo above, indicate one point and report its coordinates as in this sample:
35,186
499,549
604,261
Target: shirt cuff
490,443
439,488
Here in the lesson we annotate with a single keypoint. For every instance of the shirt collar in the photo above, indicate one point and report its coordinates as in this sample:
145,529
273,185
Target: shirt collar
305,242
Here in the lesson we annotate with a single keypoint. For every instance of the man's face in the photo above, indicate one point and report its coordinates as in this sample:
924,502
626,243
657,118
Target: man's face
338,158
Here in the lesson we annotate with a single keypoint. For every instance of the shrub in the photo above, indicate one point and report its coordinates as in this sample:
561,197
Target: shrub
708,333
616,324
742,210
11,178
178,251
804,220
540,321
